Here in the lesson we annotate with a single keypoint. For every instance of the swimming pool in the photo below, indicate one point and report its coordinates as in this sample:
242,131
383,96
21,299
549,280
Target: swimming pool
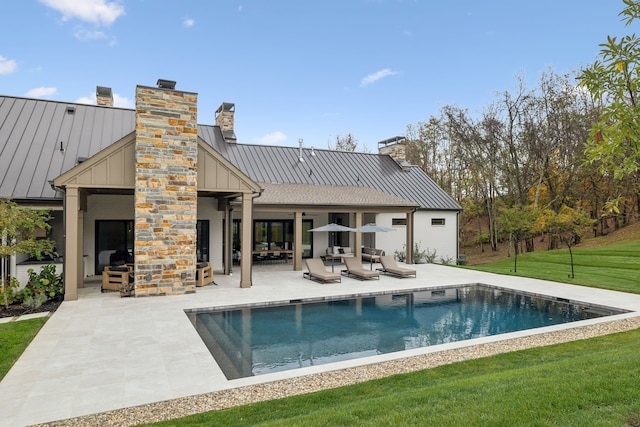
258,340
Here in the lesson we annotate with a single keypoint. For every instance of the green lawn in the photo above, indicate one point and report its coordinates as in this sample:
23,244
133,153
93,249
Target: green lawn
591,382
610,267
14,338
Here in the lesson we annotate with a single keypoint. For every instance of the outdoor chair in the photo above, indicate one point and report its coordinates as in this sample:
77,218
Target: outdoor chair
355,268
389,266
117,279
204,274
318,272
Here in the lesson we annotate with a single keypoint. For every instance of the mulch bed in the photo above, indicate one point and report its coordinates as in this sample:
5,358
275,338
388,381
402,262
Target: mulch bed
18,310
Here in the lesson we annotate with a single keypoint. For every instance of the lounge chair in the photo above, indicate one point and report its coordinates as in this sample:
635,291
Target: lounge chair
355,268
318,272
389,266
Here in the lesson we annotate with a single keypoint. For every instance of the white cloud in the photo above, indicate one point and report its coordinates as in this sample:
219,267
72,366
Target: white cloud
272,138
372,78
188,22
99,12
86,100
41,92
85,35
118,101
7,66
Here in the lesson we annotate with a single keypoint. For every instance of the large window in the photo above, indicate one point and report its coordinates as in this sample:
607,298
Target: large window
274,235
202,240
114,243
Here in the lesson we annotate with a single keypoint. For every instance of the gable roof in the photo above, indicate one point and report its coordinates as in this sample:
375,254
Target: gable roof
31,132
282,165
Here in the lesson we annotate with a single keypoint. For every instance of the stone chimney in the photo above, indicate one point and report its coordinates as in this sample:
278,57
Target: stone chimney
224,119
166,195
104,96
395,148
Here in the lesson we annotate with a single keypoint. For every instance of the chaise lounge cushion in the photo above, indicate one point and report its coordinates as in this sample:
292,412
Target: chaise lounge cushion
354,268
318,272
389,266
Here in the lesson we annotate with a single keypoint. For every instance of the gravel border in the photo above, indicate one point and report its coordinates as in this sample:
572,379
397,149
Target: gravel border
224,399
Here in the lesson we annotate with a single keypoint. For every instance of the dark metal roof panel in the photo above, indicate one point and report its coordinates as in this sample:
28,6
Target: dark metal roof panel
31,131
270,164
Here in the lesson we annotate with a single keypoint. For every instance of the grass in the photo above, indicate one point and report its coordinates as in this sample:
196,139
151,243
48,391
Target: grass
14,339
591,382
609,267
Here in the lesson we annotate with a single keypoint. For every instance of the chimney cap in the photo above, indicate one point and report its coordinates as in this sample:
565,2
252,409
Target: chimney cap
166,84
392,140
103,91
226,106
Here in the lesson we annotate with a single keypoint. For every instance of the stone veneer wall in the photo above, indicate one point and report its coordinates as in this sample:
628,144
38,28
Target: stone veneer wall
166,191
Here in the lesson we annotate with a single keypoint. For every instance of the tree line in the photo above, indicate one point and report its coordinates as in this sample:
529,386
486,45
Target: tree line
567,147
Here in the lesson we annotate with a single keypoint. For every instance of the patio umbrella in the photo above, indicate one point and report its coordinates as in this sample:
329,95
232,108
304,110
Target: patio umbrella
373,228
332,228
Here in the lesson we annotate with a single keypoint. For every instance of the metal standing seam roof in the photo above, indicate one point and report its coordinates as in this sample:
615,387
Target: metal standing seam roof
32,130
281,165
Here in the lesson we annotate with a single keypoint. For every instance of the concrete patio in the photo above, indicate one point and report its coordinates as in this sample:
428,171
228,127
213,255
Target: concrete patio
103,352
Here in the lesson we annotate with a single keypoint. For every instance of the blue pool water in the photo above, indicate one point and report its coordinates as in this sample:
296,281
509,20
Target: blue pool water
254,341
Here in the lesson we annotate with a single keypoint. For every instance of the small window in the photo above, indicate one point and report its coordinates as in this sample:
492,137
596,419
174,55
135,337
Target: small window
398,221
437,221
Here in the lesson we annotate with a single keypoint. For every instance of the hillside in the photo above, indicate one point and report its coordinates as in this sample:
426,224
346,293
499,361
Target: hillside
475,256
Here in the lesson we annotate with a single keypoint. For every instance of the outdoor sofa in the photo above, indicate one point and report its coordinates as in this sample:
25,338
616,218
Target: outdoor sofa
371,254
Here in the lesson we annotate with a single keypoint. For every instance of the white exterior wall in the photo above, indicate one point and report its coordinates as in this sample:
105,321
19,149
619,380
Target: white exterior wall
208,210
442,238
102,206
105,207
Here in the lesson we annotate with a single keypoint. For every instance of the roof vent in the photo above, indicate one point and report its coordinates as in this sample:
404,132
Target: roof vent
166,84
71,109
81,159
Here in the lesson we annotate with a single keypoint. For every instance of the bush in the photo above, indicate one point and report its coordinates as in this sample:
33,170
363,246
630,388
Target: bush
42,287
9,291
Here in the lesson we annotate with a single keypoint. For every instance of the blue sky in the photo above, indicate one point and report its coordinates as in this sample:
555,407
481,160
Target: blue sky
296,68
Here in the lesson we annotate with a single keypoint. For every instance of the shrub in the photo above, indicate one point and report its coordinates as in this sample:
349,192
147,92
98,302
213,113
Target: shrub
42,287
9,292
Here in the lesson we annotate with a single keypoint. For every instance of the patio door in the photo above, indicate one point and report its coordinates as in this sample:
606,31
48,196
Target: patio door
114,243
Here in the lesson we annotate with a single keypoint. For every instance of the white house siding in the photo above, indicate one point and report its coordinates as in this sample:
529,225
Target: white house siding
441,238
208,210
102,206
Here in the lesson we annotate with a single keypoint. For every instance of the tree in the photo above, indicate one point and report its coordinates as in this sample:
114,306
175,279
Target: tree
347,142
614,83
568,225
518,222
18,228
